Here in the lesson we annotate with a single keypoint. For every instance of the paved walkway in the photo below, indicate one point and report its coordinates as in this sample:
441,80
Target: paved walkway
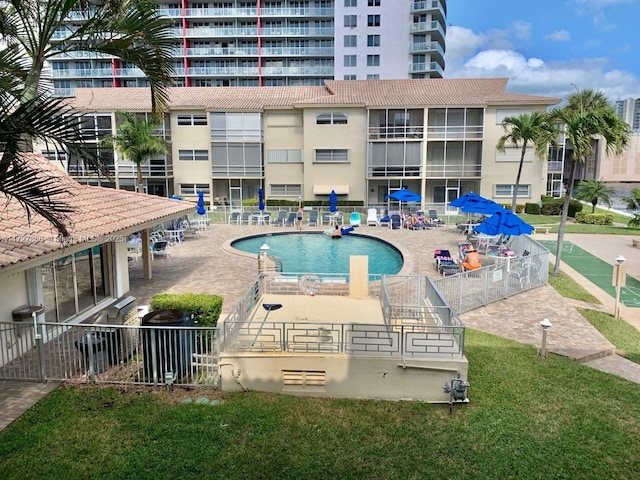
204,264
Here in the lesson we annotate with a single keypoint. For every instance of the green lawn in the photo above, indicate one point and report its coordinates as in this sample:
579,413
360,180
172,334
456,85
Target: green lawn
624,336
528,418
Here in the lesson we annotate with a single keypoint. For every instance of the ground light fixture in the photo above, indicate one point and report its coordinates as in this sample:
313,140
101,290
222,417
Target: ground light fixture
546,325
619,280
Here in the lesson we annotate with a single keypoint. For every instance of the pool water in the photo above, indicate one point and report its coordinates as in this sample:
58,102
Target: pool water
319,253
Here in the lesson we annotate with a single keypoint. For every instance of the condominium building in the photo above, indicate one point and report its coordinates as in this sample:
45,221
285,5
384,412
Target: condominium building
362,139
629,110
276,43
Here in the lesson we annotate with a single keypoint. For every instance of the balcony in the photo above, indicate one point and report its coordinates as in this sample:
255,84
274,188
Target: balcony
217,32
390,131
393,171
455,132
321,12
452,168
128,72
427,47
80,170
64,92
218,52
228,71
426,67
555,167
297,32
429,27
129,170
432,7
320,71
82,72
297,52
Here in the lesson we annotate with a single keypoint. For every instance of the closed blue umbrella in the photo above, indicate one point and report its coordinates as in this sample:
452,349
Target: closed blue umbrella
504,222
333,201
260,199
201,209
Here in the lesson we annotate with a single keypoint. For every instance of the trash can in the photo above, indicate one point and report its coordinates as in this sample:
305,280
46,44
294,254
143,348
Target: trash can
25,313
95,355
167,349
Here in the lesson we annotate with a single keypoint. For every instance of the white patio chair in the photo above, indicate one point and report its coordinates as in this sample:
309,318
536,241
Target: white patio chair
372,218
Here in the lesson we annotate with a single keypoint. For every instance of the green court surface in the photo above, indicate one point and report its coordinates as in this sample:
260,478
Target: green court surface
597,271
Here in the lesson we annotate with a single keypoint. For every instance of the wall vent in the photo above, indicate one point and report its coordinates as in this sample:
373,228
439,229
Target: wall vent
303,379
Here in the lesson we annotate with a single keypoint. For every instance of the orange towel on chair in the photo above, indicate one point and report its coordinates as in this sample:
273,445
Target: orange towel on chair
466,266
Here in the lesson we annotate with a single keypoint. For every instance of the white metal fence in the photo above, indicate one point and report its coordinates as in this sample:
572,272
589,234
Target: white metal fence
109,354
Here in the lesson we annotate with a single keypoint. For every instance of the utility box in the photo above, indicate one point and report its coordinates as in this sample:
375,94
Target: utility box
121,342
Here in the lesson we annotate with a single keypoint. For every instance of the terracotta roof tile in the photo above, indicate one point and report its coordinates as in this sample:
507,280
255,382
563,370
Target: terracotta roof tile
98,212
369,93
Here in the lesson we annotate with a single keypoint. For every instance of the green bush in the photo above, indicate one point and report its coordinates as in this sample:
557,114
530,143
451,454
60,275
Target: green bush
206,307
532,208
553,206
595,218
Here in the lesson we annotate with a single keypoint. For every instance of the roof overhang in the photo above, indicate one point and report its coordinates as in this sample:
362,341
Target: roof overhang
326,189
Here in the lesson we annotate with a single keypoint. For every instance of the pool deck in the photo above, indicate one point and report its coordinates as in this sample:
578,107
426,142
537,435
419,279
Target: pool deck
201,265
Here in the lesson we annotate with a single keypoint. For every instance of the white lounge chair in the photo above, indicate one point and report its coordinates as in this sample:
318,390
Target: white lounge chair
372,218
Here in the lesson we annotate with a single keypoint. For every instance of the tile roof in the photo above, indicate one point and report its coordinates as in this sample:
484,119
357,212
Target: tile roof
98,213
369,93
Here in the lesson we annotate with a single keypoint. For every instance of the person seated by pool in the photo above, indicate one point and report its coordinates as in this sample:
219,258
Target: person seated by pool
337,233
471,260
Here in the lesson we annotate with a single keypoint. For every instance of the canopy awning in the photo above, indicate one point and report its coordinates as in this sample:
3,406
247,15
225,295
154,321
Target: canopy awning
326,189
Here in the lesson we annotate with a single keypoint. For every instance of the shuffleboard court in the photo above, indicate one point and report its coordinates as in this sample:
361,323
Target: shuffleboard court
597,271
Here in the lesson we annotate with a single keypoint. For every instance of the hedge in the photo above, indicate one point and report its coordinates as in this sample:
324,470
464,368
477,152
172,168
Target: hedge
595,218
553,206
275,202
206,307
532,208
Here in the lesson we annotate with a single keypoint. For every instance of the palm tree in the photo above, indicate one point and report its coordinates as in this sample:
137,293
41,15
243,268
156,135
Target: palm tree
633,204
128,29
587,114
594,191
136,141
535,128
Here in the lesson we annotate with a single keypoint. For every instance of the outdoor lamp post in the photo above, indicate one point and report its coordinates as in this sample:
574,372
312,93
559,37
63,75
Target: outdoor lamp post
619,280
299,201
546,325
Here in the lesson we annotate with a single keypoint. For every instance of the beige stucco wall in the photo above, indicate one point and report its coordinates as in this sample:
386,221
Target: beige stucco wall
345,376
534,169
351,137
282,129
14,293
186,137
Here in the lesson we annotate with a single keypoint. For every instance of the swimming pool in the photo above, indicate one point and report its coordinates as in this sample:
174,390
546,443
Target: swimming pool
317,253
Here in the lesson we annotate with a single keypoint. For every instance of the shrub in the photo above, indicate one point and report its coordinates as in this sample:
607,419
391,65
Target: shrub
575,206
553,206
206,307
532,208
595,218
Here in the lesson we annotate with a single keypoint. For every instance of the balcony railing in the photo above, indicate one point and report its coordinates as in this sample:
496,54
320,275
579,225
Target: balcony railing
129,170
426,67
428,27
451,132
394,171
554,167
455,169
232,71
411,131
427,47
82,72
217,52
325,71
298,51
434,7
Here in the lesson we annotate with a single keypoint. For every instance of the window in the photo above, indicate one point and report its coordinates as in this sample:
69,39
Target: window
194,188
193,155
374,3
373,40
332,156
192,119
277,155
284,190
524,191
350,41
350,61
331,118
373,20
373,60
350,3
373,76
351,21
349,77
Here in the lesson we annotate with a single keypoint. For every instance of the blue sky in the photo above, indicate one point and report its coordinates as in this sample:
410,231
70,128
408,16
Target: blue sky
545,46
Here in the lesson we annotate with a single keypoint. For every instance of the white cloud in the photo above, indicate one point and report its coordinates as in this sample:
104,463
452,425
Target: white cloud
559,36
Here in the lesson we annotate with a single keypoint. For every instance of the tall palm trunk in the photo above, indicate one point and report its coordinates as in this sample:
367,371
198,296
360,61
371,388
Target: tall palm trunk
565,214
514,201
139,174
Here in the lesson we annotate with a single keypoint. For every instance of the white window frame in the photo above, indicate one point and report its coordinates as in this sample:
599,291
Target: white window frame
332,118
284,155
505,190
193,155
331,155
285,190
191,119
194,188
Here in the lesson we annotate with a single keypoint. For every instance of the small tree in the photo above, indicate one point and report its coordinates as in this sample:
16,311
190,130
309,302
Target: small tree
633,204
136,141
535,128
594,191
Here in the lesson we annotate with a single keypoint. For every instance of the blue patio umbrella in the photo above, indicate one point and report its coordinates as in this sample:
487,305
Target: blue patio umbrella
404,195
201,209
260,199
461,201
481,205
504,222
333,201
